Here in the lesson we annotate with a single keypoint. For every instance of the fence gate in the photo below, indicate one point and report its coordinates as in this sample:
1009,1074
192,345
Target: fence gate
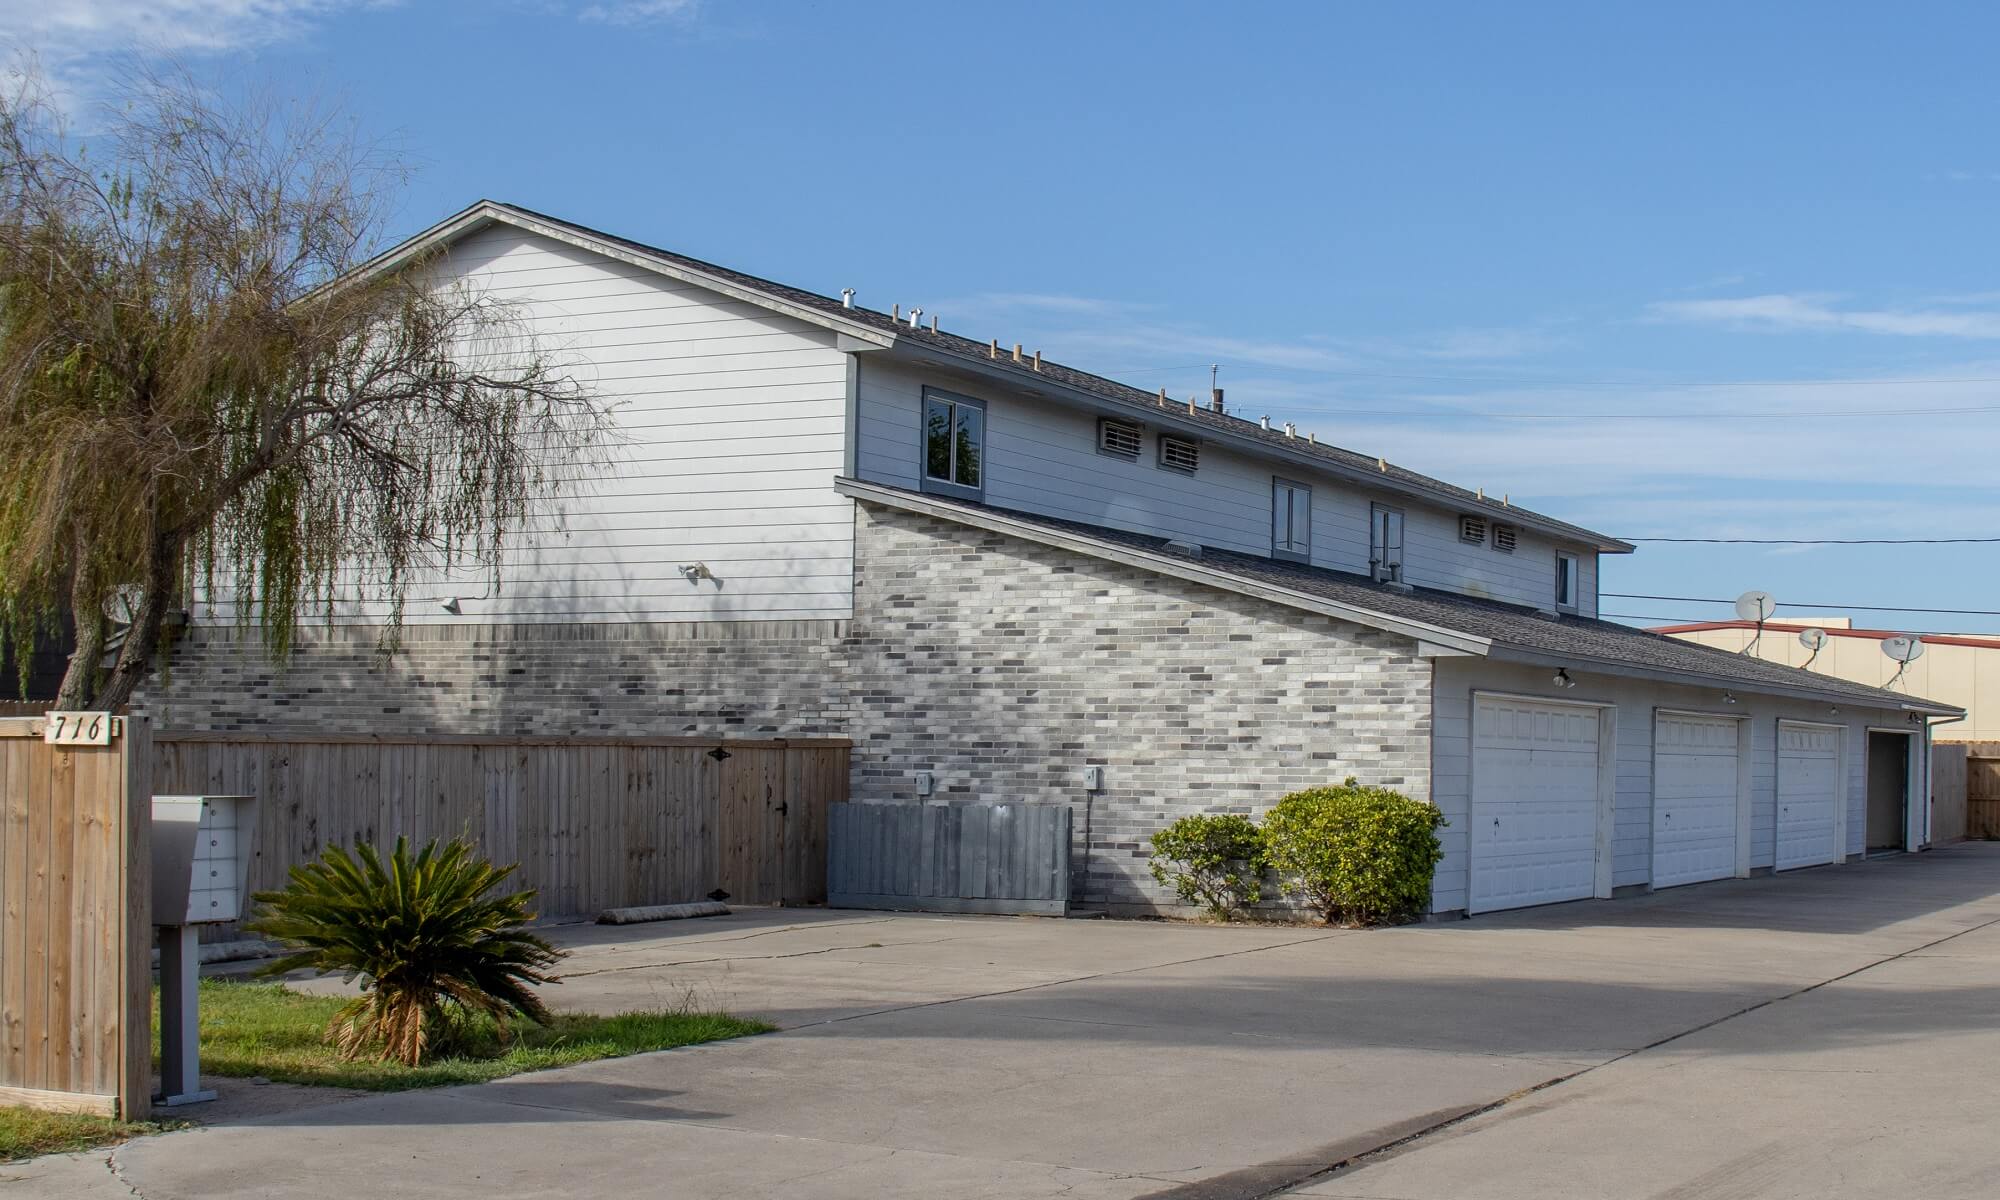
75,985
969,858
1982,790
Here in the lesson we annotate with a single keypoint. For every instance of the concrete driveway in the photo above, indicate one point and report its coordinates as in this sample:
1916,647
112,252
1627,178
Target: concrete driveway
1823,1032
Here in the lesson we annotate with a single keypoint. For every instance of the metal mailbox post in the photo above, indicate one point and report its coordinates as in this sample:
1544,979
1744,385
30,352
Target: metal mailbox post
201,869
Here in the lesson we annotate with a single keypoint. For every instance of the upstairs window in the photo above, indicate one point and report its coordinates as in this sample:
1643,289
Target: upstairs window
954,444
1504,538
1179,454
1291,520
1566,582
1120,439
1385,543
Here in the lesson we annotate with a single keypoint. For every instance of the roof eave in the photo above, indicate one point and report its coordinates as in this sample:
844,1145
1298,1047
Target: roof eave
1507,652
911,348
491,212
1451,640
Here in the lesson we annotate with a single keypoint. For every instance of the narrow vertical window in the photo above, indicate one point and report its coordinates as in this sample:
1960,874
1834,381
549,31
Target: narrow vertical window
1291,520
1566,582
1385,543
954,448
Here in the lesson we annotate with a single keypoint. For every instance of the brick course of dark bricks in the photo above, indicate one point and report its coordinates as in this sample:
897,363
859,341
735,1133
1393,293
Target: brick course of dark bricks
1003,666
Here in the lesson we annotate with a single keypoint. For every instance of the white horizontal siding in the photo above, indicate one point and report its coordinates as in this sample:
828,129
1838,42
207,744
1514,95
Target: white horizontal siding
1635,702
731,427
1042,457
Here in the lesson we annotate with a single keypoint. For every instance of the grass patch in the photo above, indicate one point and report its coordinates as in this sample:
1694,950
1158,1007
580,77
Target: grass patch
26,1132
262,1029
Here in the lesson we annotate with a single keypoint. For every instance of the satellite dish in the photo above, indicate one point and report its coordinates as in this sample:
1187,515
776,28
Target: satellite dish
1756,607
1904,648
1812,639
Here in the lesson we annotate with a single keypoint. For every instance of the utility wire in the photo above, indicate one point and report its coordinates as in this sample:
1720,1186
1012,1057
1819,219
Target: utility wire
1657,619
1951,541
1956,612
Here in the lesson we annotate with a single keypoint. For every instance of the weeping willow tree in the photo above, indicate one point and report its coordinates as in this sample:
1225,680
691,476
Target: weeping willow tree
203,384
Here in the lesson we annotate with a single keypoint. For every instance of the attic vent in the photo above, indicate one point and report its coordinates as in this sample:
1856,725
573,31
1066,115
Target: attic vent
1118,437
1503,538
1179,454
1472,529
1191,549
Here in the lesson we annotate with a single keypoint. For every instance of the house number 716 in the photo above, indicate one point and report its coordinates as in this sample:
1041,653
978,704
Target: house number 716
78,728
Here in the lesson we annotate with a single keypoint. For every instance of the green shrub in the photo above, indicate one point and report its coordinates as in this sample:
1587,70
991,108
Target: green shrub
1355,854
435,952
1214,860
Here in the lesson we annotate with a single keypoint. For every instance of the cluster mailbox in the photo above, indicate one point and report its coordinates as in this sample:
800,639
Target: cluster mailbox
201,876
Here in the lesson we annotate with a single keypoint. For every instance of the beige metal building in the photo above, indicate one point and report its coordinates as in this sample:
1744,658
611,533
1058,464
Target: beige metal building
1958,669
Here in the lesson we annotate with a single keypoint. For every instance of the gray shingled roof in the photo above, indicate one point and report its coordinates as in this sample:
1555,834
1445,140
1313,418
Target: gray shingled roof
977,353
1503,624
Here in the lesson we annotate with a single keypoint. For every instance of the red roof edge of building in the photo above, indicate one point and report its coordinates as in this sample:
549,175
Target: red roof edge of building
1931,639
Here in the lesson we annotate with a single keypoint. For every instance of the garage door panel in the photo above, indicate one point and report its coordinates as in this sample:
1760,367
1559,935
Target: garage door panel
1535,804
1808,795
1694,799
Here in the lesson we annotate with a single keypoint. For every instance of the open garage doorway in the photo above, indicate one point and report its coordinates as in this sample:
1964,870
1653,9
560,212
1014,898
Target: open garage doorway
1888,791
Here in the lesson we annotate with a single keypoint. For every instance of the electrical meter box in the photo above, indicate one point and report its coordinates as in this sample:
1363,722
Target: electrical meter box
201,858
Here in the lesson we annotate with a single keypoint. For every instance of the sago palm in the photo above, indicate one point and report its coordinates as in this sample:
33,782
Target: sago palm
430,943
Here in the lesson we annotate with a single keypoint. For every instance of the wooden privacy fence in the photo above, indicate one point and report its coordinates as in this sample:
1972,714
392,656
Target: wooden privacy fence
595,824
974,858
1982,789
1947,792
75,928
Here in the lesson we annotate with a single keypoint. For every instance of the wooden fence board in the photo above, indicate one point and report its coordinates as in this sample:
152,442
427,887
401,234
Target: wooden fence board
75,993
594,824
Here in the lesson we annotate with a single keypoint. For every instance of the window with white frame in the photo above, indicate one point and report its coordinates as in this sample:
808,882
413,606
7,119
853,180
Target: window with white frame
1385,543
954,444
1566,582
1291,520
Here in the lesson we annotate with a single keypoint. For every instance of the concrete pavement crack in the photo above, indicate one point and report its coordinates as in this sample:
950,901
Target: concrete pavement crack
1263,1188
735,958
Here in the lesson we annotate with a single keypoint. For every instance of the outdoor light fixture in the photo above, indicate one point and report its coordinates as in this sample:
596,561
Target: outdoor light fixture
1729,697
1562,679
451,606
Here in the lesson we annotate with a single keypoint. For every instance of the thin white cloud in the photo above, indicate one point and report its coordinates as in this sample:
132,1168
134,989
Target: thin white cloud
1782,312
71,29
72,41
640,12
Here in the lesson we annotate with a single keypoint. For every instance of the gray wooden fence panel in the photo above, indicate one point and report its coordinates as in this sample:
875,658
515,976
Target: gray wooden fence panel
979,858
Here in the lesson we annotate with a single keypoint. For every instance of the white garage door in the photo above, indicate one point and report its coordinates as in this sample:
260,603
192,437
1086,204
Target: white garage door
1534,803
1694,799
1808,791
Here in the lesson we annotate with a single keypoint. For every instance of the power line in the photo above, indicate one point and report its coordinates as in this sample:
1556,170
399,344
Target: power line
1657,619
1460,414
1956,612
1951,541
1654,385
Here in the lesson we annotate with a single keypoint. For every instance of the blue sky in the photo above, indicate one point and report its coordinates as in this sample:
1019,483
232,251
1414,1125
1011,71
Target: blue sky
1696,271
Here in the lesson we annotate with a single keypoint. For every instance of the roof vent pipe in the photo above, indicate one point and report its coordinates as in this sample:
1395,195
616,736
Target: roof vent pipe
933,322
895,312
915,314
847,297
1265,421
1291,430
1215,399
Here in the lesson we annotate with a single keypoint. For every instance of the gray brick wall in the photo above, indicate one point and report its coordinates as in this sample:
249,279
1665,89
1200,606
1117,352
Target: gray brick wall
1003,666
538,680
1006,667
